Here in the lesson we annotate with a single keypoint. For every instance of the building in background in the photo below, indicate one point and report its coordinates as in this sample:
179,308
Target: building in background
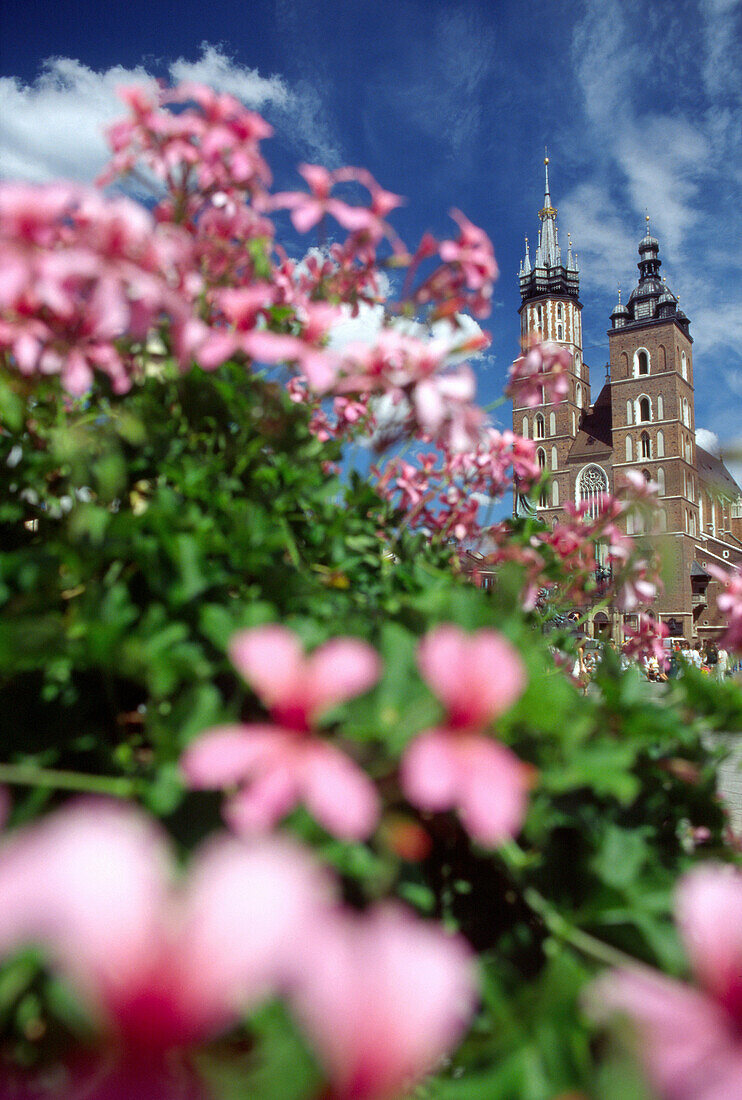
643,418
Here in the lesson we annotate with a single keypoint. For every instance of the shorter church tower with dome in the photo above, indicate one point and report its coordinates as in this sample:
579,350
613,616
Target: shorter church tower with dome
643,419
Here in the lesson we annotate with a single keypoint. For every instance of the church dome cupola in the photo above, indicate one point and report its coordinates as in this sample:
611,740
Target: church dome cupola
620,314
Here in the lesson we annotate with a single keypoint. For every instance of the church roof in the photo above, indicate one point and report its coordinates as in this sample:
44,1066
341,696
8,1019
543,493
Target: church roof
715,475
595,437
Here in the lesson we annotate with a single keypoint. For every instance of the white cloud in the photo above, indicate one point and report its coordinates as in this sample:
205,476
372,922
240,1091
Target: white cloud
53,127
708,440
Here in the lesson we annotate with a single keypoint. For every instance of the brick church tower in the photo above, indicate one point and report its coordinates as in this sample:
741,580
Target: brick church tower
643,419
551,309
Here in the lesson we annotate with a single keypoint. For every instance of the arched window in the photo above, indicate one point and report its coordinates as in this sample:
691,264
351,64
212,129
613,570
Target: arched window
630,524
629,449
646,446
592,485
554,464
552,424
644,411
647,476
555,495
524,431
663,357
578,365
574,424
684,366
662,519
540,319
560,311
686,413
541,458
538,427
661,481
660,444
624,365
578,396
629,412
560,332
641,362
660,407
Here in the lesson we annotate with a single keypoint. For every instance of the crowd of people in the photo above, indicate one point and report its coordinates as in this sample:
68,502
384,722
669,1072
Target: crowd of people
708,657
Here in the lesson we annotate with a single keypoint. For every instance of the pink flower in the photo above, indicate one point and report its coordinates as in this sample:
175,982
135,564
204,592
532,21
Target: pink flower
282,764
163,963
384,996
539,375
730,603
477,677
690,1037
647,639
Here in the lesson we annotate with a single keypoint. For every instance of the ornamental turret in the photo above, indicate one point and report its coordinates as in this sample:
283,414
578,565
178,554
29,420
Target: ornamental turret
548,274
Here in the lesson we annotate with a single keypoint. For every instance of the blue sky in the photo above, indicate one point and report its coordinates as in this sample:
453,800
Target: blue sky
450,103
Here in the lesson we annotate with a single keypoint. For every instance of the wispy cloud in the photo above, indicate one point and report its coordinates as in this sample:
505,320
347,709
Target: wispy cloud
53,127
667,139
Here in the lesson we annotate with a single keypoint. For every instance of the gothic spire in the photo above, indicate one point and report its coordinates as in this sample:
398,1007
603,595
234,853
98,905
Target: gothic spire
549,245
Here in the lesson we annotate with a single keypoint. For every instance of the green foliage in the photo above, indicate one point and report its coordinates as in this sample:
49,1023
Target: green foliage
137,534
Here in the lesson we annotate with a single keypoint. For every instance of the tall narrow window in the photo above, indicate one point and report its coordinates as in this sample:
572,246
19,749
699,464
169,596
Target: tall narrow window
578,365
629,412
684,366
552,424
646,445
538,427
686,413
642,362
555,495
629,449
554,464
541,458
661,481
660,444
524,431
662,519
660,407
560,312
574,424
592,487
630,524
645,410
578,396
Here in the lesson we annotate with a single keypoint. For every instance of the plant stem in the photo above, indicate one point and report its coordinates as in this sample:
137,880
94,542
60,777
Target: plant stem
517,860
27,775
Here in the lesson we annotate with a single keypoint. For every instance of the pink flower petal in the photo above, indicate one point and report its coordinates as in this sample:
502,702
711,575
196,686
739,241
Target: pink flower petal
339,670
89,882
247,910
384,996
477,676
339,793
258,807
493,790
429,771
709,908
684,1039
228,754
271,659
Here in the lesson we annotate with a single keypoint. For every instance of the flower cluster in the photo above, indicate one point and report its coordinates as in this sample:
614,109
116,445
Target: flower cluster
445,491
539,374
277,766
84,279
165,964
645,640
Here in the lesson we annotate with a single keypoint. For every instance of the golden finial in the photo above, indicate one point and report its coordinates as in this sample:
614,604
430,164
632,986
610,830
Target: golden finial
546,155
619,294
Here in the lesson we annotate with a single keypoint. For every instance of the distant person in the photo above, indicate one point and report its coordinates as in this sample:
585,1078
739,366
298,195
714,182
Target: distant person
712,659
694,656
722,663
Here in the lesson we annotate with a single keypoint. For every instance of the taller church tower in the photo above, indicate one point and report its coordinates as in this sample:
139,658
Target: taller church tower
551,310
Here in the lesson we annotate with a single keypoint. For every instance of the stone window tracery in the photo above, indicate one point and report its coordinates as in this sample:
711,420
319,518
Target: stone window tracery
592,485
